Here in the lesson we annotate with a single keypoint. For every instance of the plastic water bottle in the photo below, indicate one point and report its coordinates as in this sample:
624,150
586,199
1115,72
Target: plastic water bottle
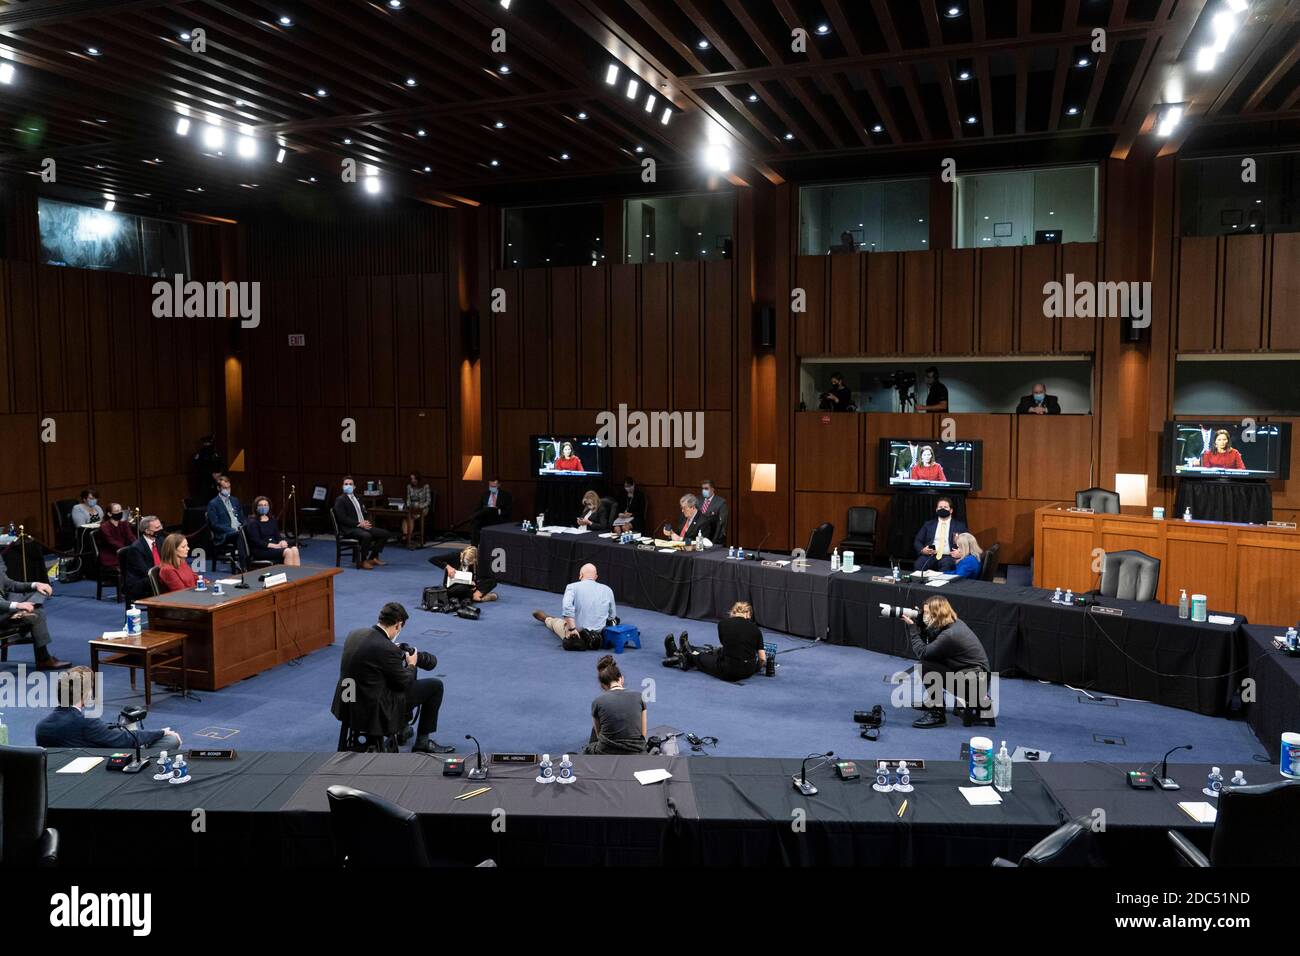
882,784
1214,783
731,552
1069,595
545,770
1187,514
1183,605
566,770
898,575
133,620
904,784
180,770
1056,598
1292,638
164,767
1002,770
835,560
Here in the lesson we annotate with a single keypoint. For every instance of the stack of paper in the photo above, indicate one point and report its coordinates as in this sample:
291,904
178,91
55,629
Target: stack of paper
981,796
644,777
1200,811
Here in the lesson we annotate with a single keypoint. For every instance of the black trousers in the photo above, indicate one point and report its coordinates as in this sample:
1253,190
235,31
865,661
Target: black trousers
465,592
969,683
935,562
426,694
235,541
710,660
372,540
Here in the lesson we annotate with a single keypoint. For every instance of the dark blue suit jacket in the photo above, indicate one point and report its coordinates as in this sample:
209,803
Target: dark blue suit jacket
925,536
69,727
219,521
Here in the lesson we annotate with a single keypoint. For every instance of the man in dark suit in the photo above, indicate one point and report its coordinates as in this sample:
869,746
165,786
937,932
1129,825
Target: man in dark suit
493,508
632,504
226,521
1038,402
27,614
139,557
377,688
936,542
692,522
715,504
354,522
68,725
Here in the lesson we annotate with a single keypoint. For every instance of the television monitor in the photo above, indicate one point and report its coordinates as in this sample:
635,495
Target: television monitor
569,456
930,463
1227,449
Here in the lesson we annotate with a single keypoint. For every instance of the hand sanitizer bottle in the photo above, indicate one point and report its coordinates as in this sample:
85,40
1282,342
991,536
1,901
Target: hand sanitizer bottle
1183,605
835,560
1187,514
545,771
164,767
566,771
1002,770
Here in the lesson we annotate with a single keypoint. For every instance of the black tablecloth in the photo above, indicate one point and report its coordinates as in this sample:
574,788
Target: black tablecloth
1276,704
1225,499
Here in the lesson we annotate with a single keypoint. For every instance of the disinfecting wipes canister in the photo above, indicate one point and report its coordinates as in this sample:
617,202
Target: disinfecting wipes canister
981,760
1289,761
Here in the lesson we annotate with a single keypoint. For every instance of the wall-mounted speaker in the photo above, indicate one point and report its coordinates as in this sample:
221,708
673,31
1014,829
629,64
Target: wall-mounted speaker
469,331
765,327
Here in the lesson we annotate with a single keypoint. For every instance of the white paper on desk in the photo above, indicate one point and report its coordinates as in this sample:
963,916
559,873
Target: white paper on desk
1222,619
981,796
81,765
937,582
1200,811
668,550
231,581
113,635
644,777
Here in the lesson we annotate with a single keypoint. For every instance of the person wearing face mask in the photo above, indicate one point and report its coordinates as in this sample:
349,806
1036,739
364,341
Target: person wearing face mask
837,398
945,646
691,523
265,541
13,610
378,690
936,396
419,498
493,508
139,557
114,534
87,510
225,519
714,505
1038,402
936,542
354,522
632,504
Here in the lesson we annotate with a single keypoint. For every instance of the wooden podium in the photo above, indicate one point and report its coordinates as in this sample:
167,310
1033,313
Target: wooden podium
1252,570
244,632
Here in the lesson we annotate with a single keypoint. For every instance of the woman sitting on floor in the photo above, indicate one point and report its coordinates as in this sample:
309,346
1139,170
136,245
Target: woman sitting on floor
618,716
173,572
481,588
741,654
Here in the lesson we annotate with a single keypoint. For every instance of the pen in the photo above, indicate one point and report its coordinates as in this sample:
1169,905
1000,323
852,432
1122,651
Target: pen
902,810
473,793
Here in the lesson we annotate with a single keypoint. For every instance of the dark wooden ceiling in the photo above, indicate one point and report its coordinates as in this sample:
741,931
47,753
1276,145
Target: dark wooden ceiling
886,77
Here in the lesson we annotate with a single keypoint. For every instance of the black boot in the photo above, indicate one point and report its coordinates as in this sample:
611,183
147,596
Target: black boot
683,645
931,718
670,646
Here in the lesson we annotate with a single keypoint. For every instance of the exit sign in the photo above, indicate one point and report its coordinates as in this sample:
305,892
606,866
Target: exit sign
297,341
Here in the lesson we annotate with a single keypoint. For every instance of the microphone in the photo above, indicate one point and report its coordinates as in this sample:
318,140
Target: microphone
1163,781
138,764
758,552
801,778
478,772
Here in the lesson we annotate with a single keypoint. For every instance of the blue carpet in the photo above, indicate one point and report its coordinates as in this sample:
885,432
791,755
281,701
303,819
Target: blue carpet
509,683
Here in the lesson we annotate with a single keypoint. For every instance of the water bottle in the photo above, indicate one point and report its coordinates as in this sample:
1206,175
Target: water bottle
904,784
1183,605
882,778
133,620
566,770
1187,514
835,560
164,766
1056,598
1069,595
545,771
180,770
1214,783
731,552
1002,770
1238,779
898,575
1292,639
4,732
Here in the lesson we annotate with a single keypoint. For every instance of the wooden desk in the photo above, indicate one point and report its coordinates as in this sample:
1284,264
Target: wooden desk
149,650
1253,570
242,633
379,512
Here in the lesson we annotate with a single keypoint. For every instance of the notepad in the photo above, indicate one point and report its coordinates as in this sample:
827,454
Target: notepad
1200,811
981,796
1227,619
81,765
230,581
113,635
644,777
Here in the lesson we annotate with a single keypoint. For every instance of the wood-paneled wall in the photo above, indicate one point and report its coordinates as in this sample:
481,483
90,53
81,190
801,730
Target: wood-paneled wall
1237,293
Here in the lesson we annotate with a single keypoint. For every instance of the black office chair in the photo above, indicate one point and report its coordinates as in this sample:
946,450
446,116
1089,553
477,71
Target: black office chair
154,574
608,512
1071,844
989,562
1257,826
1129,576
194,515
227,551
342,544
103,575
65,532
860,535
819,542
1099,500
14,631
25,840
372,833
254,564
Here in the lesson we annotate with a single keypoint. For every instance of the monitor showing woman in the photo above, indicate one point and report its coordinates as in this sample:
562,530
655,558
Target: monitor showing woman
924,465
1221,454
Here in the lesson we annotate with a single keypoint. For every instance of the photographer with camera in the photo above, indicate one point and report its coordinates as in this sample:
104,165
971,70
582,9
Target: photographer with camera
837,398
378,688
944,645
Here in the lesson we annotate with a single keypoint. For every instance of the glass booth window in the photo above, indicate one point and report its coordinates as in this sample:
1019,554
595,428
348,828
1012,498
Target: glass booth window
569,235
1215,201
878,216
1026,207
84,237
679,228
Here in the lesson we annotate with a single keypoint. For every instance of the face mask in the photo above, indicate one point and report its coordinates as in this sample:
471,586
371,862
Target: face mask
91,502
348,489
116,516
707,493
944,513
225,492
629,488
493,488
263,510
1039,398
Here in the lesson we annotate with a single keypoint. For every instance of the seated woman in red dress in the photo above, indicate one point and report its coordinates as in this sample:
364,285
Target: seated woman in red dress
926,468
1223,454
175,573
568,461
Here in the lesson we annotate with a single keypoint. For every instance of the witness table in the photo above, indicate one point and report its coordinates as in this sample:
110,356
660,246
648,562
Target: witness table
1276,704
244,632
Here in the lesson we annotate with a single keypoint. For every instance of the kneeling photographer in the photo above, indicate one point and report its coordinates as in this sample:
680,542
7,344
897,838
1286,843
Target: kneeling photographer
378,688
944,645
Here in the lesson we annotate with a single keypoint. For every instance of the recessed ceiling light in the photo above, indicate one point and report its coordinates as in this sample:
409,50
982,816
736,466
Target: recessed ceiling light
495,163
498,125
789,135
183,126
321,91
347,140
667,115
410,81
564,156
371,184
395,4
611,74
420,132
239,102
640,149
428,169
286,21
971,121
753,97
823,29
702,44
964,75
1072,111
213,137
312,178
93,51
280,154
952,12
246,147
503,69
650,103
582,116
1083,61
6,72
185,38
632,87
877,128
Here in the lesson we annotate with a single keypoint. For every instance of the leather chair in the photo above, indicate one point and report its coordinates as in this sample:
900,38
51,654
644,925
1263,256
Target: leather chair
1071,844
989,562
372,833
860,534
1099,500
65,532
254,564
25,840
14,631
1129,576
819,542
608,512
103,575
1257,825
194,515
154,574
226,552
342,544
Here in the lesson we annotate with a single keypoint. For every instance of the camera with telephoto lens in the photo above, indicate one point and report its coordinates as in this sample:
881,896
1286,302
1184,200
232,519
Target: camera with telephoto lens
892,610
423,659
132,718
